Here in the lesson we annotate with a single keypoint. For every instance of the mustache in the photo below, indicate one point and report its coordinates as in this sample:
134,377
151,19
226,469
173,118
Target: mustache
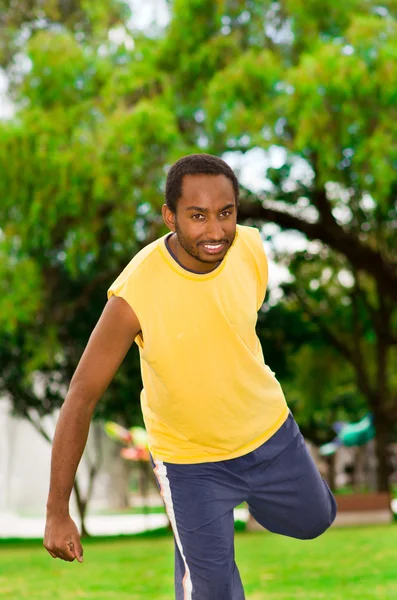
214,242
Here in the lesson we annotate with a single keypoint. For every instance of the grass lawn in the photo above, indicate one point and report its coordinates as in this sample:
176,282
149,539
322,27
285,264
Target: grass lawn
344,564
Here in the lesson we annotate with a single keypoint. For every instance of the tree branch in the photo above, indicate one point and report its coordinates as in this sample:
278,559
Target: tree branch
320,199
362,257
351,355
371,310
95,464
342,348
358,357
37,425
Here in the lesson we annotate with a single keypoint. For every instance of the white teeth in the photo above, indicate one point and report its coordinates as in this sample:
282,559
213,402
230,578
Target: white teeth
213,246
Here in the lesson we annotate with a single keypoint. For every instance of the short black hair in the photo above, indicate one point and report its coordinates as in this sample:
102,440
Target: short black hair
196,164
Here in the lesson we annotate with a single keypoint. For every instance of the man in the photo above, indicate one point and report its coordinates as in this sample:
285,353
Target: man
219,428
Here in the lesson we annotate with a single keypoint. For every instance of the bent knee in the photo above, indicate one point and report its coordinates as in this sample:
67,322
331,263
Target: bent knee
312,532
315,528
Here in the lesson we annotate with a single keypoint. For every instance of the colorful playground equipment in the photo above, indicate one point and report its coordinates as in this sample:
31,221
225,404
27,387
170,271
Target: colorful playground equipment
135,440
350,434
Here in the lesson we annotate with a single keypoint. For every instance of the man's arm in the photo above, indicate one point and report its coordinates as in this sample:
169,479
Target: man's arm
107,346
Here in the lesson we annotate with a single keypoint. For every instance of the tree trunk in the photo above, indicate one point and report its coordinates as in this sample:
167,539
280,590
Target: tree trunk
93,468
382,420
82,508
360,473
371,466
120,470
383,467
354,475
143,489
331,472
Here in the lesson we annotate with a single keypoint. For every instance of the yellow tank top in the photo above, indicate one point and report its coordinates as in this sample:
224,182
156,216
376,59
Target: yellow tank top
207,392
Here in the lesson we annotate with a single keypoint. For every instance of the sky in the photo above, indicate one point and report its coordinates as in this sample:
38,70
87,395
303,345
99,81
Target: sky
150,12
6,108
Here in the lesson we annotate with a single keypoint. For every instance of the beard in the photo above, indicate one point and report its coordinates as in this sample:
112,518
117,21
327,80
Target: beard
194,250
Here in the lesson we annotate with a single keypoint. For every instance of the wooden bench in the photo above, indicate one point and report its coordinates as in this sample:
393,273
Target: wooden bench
354,509
363,508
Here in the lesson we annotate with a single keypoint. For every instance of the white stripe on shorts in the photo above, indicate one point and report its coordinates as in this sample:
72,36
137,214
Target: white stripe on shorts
165,490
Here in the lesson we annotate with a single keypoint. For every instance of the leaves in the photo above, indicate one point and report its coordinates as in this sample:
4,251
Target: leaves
239,97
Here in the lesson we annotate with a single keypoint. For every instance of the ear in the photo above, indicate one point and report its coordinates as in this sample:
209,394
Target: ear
168,217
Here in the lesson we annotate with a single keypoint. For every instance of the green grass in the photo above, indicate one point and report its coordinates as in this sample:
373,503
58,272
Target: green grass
133,510
353,563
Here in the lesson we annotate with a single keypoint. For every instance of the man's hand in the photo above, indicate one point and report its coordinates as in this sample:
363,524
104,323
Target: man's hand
62,538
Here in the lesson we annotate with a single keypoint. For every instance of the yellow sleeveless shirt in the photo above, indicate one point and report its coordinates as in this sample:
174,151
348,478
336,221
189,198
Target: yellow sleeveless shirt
207,392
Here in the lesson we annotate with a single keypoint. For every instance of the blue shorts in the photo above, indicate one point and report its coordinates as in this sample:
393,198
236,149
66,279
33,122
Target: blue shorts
282,487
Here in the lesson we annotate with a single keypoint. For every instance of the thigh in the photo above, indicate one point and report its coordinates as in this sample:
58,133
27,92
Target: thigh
289,496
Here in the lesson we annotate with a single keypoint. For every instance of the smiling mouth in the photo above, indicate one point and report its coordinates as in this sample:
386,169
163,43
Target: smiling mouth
214,248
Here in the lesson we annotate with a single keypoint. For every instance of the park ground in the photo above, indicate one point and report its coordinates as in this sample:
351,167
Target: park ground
348,563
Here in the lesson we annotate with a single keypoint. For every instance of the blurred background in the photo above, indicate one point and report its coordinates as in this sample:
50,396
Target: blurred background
97,100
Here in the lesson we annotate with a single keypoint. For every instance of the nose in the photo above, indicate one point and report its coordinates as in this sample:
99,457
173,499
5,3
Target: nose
215,231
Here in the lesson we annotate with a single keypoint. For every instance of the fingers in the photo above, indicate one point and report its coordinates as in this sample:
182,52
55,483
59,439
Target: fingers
69,552
63,555
78,551
51,551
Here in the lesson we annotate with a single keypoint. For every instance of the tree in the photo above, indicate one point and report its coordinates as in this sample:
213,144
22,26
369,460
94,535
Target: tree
19,20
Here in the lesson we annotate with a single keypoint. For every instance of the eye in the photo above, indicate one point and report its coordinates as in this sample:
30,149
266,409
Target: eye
197,216
226,213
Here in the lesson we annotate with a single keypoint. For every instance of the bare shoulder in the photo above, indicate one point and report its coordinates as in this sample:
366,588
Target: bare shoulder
118,321
119,309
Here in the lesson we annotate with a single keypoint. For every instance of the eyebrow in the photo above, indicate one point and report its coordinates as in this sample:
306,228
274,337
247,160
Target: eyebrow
206,210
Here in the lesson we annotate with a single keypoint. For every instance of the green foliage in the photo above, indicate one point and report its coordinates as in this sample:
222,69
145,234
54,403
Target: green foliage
313,20
342,100
20,283
61,73
85,19
240,96
317,381
138,145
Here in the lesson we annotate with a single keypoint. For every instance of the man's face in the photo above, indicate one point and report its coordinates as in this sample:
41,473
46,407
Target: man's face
205,221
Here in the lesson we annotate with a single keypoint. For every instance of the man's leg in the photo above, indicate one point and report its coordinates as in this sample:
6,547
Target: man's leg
287,493
209,558
199,500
